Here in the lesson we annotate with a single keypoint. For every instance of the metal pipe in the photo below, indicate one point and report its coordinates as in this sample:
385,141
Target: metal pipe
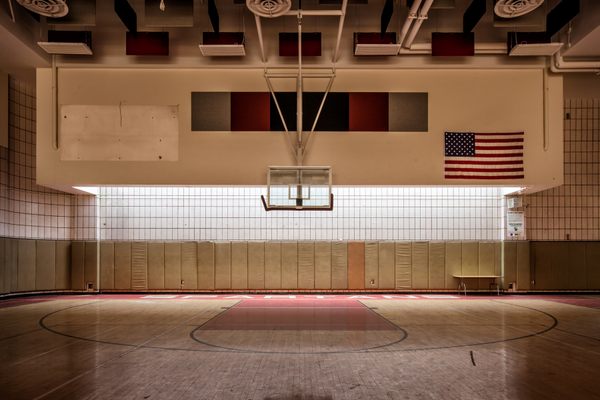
299,89
282,75
260,38
286,133
321,13
558,65
412,15
545,111
312,130
55,143
340,29
417,25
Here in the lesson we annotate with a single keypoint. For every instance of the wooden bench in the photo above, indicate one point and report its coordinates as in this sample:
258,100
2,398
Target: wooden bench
463,286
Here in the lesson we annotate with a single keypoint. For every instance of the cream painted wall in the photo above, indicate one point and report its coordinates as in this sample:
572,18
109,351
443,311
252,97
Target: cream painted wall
473,100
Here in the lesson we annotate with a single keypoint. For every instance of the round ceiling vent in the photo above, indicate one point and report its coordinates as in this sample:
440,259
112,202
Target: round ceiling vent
515,8
47,8
269,8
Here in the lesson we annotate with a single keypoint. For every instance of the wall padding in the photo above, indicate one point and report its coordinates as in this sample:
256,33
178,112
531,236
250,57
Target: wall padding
123,265
387,267
306,265
3,268
577,266
489,262
77,265
90,266
289,265
26,265
223,265
206,265
339,265
523,266
272,265
371,264
356,265
107,265
139,266
256,265
453,261
239,265
545,265
11,256
592,261
156,265
420,265
189,265
403,265
323,265
437,265
510,264
173,265
470,258
45,269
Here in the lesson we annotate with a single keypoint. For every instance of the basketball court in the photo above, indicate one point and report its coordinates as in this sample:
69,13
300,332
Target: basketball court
221,346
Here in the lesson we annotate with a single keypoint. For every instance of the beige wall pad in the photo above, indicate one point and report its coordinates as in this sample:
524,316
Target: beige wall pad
289,265
339,265
306,265
437,265
371,265
206,265
189,265
239,265
387,268
11,257
26,265
323,265
470,258
403,263
356,265
77,265
489,262
256,265
91,264
3,268
420,265
272,265
172,265
523,266
45,269
510,264
156,265
223,265
107,265
577,266
592,261
123,265
453,260
139,266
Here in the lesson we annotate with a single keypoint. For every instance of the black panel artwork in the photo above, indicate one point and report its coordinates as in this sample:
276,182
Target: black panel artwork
333,117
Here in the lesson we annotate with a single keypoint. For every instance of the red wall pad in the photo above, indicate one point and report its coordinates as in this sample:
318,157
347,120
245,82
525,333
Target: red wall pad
452,44
369,112
250,111
311,44
147,44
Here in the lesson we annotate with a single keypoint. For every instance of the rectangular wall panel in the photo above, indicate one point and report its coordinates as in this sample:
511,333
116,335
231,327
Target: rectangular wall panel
223,265
256,265
139,266
577,266
156,265
211,111
368,112
470,258
11,257
172,265
561,265
356,265
323,265
387,267
91,264
420,265
289,265
3,268
189,265
45,269
523,266
592,262
306,265
77,265
239,265
548,258
26,265
510,263
437,265
107,265
371,264
250,111
339,265
206,265
488,261
272,265
123,265
408,112
403,264
453,262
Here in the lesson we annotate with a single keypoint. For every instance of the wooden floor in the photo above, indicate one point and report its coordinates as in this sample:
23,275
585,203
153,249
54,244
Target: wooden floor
307,347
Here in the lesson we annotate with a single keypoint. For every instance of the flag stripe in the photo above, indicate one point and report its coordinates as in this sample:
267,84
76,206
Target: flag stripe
503,140
483,177
498,148
469,162
483,169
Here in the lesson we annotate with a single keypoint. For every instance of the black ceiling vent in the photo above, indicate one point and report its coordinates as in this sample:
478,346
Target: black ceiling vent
386,15
127,14
213,15
560,16
473,14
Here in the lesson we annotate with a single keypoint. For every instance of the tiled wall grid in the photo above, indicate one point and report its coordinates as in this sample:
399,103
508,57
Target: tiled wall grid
26,209
572,211
360,213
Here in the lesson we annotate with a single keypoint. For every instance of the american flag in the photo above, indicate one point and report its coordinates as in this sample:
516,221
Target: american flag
483,155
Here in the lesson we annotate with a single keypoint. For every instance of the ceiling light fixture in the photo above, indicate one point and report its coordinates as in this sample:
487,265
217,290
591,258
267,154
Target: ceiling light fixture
47,8
515,8
162,5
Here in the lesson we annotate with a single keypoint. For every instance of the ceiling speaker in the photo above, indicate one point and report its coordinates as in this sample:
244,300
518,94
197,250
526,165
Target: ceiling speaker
269,8
47,8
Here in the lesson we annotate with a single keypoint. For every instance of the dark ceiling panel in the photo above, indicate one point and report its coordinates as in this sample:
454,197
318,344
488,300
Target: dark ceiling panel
473,14
560,15
127,14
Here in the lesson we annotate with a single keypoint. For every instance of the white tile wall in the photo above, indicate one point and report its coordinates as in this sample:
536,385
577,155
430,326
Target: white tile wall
572,211
360,213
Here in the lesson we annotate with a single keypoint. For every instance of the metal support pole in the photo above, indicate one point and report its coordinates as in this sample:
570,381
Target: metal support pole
340,29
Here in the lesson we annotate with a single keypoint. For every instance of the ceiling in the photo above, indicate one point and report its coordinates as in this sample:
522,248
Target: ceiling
186,20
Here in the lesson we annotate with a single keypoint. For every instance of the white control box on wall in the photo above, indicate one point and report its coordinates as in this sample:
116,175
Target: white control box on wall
3,109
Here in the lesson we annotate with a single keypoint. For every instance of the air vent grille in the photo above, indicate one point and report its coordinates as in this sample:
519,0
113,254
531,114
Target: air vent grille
47,8
222,50
65,48
535,49
515,8
369,49
269,8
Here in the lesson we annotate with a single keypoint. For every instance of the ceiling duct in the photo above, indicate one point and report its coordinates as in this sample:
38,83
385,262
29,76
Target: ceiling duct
269,8
68,43
47,8
515,8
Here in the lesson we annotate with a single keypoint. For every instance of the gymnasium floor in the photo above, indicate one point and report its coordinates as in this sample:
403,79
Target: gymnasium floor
300,347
